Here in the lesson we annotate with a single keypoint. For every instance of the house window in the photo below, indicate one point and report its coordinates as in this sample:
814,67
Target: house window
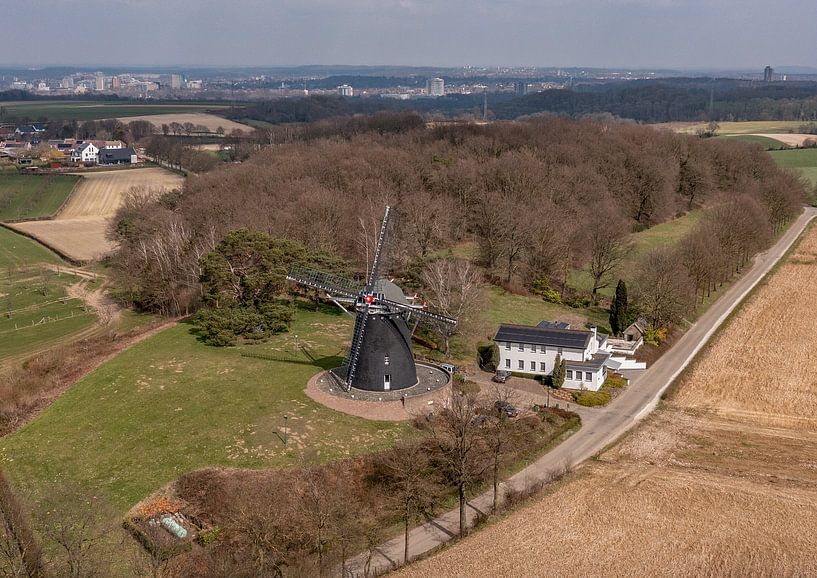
543,349
560,351
521,347
508,363
385,359
542,367
569,374
588,376
533,366
508,345
578,375
533,348
521,364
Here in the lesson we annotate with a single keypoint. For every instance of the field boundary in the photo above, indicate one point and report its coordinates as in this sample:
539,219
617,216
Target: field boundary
54,250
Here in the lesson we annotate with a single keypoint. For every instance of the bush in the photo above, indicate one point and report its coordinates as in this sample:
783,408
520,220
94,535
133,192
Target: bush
578,302
222,327
614,382
592,398
467,387
655,336
540,287
208,536
488,357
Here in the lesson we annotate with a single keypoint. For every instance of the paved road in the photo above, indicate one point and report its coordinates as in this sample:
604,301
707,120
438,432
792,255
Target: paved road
603,427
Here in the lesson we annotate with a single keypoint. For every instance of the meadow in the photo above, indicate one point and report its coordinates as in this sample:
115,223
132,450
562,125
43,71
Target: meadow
804,160
37,312
25,197
720,480
94,110
171,404
768,143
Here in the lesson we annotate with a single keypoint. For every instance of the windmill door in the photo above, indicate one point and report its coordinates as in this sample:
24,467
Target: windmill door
387,382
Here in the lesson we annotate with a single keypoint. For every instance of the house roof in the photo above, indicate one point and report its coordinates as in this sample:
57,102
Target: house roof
639,325
553,325
593,364
115,154
571,338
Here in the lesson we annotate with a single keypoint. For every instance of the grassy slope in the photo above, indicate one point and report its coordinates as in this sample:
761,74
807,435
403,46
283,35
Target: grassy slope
34,294
663,235
171,404
746,127
91,110
804,160
764,141
33,196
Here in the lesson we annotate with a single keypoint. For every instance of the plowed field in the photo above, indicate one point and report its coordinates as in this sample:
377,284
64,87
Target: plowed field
79,230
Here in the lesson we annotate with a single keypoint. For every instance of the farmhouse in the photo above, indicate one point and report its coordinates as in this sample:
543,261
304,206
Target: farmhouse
86,153
533,350
117,156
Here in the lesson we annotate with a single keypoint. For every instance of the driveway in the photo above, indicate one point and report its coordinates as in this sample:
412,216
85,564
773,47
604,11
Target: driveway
599,428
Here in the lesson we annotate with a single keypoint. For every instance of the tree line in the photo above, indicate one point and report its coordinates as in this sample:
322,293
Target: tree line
537,199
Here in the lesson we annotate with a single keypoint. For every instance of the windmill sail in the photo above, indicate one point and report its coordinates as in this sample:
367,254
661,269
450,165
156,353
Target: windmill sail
379,249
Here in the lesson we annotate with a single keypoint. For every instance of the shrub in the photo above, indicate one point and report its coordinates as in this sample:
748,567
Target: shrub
540,287
614,382
578,302
592,398
488,357
655,336
208,536
467,387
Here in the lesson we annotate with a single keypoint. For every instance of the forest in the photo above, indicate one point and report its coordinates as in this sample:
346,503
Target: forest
534,200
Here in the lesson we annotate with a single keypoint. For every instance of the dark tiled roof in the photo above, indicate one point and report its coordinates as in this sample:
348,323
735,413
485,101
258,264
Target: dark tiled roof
108,155
541,336
552,325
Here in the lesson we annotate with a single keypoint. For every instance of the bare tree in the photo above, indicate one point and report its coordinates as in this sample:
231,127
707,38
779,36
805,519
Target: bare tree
407,477
460,446
665,291
18,544
606,242
455,289
499,431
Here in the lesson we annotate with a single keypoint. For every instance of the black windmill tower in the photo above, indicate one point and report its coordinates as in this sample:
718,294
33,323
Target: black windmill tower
380,357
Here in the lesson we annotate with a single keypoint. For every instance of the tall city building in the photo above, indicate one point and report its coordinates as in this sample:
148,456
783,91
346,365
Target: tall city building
768,74
520,87
67,82
116,83
100,81
346,90
176,81
435,87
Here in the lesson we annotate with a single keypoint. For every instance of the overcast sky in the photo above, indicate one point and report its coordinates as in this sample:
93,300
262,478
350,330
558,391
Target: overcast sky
593,33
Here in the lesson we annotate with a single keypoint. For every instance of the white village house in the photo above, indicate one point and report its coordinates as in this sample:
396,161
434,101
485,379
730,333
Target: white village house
533,350
86,153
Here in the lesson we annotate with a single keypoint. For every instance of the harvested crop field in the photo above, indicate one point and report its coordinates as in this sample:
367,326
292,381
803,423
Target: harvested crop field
79,230
790,139
211,121
722,480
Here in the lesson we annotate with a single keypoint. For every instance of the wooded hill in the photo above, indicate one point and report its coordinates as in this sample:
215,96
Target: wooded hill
537,199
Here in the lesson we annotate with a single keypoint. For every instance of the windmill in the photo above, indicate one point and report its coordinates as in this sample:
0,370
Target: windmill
380,357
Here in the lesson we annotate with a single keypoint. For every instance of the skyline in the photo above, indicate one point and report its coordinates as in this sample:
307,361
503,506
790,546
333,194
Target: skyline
638,34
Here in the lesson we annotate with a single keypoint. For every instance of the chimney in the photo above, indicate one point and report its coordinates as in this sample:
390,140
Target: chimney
594,343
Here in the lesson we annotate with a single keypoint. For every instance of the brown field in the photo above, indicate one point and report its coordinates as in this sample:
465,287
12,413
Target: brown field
79,230
211,121
722,480
792,140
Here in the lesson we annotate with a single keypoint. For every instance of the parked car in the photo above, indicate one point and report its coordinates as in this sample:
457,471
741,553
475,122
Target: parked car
501,376
449,368
506,408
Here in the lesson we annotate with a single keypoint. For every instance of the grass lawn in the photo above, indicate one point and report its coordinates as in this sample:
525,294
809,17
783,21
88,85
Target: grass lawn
33,196
767,143
35,311
663,235
804,160
94,110
171,404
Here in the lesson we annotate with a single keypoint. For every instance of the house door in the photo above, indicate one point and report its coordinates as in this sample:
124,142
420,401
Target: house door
387,382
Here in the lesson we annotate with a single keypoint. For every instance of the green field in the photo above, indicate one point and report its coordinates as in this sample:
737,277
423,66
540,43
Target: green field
35,311
24,197
171,404
504,307
767,143
804,160
744,127
93,110
664,235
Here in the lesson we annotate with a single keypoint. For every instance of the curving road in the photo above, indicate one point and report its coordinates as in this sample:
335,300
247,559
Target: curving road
599,428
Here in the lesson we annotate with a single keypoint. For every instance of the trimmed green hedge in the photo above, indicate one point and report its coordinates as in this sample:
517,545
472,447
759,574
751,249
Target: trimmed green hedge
592,398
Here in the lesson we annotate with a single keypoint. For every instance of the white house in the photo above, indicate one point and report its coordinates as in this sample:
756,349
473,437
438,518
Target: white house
533,350
86,154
